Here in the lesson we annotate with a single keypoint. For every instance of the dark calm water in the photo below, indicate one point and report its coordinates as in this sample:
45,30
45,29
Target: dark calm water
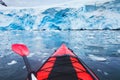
100,50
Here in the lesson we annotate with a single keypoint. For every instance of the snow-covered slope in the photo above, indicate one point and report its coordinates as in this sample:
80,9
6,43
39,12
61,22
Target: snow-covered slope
70,15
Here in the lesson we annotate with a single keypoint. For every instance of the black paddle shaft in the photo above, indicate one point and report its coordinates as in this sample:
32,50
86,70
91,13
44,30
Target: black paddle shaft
27,64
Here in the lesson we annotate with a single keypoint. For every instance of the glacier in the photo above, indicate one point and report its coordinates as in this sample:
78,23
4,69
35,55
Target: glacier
103,16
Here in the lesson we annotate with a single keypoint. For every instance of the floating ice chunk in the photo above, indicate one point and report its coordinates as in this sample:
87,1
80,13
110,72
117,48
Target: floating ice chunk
118,50
43,61
45,54
37,38
12,62
76,47
24,67
97,58
99,70
96,51
105,73
118,36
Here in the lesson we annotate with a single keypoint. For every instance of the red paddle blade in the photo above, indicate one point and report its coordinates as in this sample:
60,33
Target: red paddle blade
20,49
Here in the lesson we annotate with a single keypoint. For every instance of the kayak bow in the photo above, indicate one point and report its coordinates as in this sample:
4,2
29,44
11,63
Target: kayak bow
64,65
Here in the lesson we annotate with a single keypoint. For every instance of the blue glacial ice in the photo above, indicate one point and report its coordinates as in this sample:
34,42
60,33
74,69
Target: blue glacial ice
90,16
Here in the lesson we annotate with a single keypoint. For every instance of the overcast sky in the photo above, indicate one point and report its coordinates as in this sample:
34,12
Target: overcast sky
34,3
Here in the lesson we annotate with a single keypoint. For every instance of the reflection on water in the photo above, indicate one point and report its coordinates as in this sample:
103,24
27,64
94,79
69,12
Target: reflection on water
100,50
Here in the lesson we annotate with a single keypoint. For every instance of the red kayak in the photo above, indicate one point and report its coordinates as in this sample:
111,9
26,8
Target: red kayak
64,65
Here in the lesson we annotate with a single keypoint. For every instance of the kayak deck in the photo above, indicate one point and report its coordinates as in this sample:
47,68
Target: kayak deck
64,65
